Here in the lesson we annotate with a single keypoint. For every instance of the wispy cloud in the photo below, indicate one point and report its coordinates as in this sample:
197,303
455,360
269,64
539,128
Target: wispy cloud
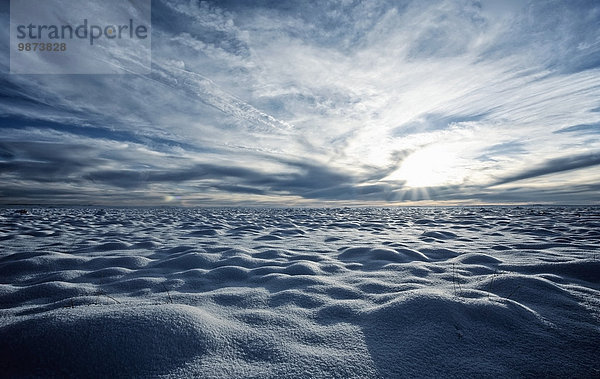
555,165
581,129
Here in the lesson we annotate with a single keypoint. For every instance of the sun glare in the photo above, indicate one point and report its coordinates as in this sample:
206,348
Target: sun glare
431,166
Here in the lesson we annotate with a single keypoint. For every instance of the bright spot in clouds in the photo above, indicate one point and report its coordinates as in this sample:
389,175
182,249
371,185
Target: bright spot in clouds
434,165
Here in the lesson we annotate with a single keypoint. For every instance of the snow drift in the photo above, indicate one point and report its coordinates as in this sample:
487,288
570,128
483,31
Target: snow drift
300,293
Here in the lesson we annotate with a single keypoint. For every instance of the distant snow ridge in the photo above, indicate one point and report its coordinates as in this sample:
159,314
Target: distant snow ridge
288,293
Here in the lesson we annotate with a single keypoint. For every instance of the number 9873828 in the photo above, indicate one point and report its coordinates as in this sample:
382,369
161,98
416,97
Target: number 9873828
37,46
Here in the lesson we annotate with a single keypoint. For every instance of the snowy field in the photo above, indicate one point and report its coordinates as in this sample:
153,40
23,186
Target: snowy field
341,293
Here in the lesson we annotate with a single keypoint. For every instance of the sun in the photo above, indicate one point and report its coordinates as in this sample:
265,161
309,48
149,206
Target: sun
433,165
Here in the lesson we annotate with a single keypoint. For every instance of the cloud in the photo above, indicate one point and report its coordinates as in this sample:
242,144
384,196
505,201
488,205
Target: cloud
304,179
319,102
554,166
43,161
581,129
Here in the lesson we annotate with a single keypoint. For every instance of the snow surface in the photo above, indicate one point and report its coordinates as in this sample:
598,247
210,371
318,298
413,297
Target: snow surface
437,292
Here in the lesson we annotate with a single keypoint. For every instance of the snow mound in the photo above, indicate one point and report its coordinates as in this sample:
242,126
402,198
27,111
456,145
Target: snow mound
109,341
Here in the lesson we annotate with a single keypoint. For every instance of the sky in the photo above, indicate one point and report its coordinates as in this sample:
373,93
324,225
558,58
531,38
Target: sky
320,103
